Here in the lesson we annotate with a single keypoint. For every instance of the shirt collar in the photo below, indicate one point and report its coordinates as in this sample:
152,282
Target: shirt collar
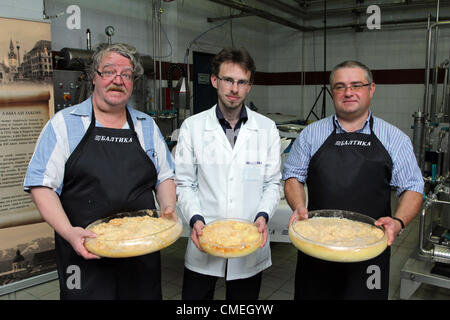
84,109
242,117
364,126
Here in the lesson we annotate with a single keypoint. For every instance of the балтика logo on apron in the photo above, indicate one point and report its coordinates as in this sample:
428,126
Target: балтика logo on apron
113,139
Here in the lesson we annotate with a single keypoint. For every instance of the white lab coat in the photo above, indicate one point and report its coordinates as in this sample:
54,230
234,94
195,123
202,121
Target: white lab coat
217,181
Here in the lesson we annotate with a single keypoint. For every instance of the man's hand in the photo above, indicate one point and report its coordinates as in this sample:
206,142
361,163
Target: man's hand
391,226
300,213
196,232
408,207
76,238
261,224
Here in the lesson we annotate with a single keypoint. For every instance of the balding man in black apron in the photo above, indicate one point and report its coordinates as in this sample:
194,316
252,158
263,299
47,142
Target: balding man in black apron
350,161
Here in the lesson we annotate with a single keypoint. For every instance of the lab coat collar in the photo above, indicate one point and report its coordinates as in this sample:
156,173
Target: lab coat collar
212,124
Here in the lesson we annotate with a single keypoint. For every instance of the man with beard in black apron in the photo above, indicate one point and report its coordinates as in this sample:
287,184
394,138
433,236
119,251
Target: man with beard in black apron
96,159
350,161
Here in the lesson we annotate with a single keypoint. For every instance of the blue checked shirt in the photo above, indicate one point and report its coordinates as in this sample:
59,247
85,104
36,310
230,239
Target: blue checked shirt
406,174
64,131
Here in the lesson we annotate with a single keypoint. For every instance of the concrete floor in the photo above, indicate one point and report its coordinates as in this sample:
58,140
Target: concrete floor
278,280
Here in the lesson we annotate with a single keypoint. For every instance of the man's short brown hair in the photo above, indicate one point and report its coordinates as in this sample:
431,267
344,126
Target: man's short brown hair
234,55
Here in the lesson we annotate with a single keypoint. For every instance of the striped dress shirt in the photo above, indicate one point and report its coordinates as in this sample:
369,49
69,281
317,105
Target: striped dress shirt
62,134
406,174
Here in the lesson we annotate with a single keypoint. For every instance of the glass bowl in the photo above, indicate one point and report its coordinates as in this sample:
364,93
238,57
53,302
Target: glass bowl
339,236
230,238
131,234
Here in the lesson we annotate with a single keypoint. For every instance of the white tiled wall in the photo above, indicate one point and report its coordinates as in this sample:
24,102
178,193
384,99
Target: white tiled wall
397,103
259,95
379,49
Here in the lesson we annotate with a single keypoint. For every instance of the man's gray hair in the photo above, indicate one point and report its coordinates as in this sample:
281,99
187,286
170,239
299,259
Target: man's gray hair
121,48
352,64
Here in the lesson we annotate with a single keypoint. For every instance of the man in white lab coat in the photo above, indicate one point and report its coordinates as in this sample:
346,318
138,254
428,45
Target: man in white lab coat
227,166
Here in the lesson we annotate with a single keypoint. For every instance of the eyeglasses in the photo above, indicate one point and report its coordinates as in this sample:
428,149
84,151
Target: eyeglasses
229,82
109,74
353,87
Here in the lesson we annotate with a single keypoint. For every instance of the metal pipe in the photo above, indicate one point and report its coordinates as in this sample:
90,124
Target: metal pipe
441,254
418,137
446,167
422,235
443,112
229,17
245,9
440,23
324,45
313,14
159,56
427,67
420,115
188,75
441,202
79,59
444,89
285,7
88,39
437,253
437,10
262,14
302,81
432,115
446,106
74,59
408,22
154,106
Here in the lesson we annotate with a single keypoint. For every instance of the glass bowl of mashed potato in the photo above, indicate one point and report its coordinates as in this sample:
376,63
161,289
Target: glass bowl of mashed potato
130,234
338,235
230,238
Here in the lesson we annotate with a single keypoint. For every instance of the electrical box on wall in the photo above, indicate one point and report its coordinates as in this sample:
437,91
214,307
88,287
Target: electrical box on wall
70,88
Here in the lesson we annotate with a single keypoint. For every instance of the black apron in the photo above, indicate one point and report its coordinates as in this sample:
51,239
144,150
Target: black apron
350,171
107,173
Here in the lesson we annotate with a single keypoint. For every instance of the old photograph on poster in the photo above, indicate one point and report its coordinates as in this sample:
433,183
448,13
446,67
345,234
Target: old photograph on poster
26,104
26,251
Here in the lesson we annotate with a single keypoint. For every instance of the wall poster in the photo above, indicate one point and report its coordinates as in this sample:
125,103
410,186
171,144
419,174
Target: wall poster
26,104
